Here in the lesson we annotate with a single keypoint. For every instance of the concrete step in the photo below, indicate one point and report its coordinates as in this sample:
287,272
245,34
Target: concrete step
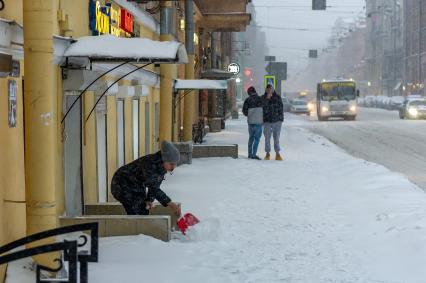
115,208
215,150
157,226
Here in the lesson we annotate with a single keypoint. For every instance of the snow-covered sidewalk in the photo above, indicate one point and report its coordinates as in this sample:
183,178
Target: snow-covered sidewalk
318,216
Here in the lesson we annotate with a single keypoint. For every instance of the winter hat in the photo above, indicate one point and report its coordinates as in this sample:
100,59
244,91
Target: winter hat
251,90
169,152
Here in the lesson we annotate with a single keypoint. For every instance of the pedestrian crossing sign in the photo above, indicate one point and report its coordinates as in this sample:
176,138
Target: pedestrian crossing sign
271,80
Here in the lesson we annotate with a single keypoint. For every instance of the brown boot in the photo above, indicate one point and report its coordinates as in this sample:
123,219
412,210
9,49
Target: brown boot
278,157
268,156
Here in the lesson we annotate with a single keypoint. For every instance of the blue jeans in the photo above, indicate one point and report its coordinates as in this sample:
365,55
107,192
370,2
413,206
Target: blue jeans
255,132
272,129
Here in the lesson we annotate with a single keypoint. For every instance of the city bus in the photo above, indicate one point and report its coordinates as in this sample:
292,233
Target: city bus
337,98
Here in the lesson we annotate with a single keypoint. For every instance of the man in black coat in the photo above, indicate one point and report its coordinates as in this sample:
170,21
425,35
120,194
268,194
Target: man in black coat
273,117
137,184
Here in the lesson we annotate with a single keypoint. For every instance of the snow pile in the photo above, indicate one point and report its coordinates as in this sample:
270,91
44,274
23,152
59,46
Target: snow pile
318,216
112,47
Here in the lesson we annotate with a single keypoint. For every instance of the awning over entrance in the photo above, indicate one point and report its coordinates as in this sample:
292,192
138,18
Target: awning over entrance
216,74
200,84
108,48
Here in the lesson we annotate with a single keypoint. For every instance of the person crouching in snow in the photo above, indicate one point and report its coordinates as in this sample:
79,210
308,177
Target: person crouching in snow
253,109
137,184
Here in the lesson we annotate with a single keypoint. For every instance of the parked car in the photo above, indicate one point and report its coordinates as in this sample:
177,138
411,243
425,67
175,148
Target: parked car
395,102
361,101
286,104
300,107
370,101
413,109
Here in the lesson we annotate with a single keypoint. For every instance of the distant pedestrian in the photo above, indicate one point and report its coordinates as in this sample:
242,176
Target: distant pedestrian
253,109
137,184
273,117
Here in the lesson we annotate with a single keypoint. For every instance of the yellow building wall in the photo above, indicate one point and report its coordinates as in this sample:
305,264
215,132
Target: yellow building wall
128,130
76,13
12,163
142,128
12,170
111,141
155,121
90,180
13,11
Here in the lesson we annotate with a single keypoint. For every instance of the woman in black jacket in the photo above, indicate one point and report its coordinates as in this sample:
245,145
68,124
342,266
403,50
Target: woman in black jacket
273,117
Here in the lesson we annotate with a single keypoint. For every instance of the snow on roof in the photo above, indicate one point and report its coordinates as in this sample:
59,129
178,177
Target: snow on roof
201,84
111,48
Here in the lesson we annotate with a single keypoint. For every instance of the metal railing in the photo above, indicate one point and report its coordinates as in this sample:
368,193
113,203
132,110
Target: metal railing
71,252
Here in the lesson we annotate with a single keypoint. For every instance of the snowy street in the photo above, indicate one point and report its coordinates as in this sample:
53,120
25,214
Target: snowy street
380,136
318,216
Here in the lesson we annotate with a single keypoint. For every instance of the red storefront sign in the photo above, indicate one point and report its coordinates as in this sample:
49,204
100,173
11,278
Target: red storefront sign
126,23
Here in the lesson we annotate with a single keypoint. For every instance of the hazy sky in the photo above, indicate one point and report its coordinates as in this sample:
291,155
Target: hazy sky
283,16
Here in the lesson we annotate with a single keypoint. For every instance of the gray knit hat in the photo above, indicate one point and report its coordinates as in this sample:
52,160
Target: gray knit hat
169,152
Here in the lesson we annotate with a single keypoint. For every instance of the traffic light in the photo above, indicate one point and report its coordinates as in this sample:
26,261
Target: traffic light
319,4
248,72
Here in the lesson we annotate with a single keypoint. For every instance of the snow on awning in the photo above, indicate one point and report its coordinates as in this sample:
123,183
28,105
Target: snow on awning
200,84
108,48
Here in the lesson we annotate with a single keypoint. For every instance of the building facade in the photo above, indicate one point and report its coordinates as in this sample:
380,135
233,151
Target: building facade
384,48
414,46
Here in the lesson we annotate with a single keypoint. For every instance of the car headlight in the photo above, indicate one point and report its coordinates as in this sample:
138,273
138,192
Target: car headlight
413,111
324,109
310,106
352,108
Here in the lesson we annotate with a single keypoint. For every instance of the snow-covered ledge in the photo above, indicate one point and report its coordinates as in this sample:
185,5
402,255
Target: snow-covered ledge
115,49
200,84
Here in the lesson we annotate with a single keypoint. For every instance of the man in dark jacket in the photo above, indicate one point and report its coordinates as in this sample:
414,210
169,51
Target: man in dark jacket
137,184
253,109
273,117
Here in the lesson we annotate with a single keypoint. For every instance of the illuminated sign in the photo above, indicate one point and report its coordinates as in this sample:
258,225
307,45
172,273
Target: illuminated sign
109,19
234,68
126,21
115,21
270,80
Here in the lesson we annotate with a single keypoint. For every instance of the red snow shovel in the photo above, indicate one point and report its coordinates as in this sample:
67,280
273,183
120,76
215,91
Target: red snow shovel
187,221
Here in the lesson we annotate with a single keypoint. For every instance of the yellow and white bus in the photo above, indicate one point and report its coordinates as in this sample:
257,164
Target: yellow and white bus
337,98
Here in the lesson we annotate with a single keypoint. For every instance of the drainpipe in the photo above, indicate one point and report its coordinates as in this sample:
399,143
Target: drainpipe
189,103
41,119
168,73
